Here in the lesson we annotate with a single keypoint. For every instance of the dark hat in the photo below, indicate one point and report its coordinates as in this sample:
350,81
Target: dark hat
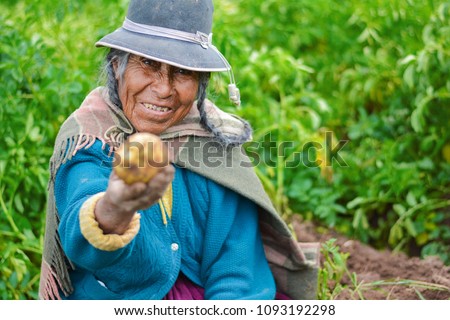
176,32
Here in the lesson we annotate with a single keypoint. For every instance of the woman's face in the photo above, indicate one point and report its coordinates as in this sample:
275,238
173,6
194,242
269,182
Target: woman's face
155,95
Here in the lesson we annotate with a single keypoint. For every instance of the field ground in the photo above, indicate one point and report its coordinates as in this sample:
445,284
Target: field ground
383,274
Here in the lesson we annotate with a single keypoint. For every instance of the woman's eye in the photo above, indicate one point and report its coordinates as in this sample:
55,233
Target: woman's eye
184,72
150,63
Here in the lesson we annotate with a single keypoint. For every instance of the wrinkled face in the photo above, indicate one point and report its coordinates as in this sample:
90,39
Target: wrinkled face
155,95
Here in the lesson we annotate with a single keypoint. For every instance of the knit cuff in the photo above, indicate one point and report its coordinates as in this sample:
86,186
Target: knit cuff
94,234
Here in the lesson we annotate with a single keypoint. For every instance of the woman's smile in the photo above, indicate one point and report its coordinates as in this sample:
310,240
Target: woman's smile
156,108
156,112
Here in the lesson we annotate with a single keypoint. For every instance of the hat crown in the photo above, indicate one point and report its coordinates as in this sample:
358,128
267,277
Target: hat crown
184,15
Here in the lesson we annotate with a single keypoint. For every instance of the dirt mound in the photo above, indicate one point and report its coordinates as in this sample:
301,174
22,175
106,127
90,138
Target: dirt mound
383,274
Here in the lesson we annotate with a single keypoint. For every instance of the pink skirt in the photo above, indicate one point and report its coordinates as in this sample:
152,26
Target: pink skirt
185,289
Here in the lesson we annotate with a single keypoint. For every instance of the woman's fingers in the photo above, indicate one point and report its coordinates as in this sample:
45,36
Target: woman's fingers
139,195
162,179
121,191
158,185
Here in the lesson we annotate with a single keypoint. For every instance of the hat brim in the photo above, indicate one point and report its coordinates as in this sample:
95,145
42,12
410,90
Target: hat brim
183,54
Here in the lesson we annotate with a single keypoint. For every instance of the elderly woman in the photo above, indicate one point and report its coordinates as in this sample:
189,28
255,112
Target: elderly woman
198,229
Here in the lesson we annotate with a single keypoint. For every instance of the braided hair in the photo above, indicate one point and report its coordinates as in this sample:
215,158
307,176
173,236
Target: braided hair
206,123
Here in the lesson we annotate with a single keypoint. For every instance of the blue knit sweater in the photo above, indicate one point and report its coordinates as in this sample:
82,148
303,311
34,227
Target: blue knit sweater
213,238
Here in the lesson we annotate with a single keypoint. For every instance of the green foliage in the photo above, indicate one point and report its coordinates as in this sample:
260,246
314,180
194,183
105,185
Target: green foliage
44,78
312,75
375,76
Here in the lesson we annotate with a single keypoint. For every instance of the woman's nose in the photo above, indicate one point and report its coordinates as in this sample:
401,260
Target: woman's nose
163,84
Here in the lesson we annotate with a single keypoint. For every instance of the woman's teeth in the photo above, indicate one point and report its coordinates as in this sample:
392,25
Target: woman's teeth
156,108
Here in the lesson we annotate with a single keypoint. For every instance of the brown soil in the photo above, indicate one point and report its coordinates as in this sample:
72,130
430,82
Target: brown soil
425,278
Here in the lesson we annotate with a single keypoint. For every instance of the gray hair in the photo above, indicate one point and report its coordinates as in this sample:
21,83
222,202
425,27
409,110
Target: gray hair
121,58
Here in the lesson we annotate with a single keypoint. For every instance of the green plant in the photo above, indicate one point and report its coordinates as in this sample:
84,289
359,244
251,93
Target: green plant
332,271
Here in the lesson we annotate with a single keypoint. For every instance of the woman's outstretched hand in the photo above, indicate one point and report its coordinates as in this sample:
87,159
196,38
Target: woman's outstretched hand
115,209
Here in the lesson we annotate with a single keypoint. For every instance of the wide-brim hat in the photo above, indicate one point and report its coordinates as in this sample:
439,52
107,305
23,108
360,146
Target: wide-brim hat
171,31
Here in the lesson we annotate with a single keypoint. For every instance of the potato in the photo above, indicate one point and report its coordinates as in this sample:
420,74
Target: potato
140,158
